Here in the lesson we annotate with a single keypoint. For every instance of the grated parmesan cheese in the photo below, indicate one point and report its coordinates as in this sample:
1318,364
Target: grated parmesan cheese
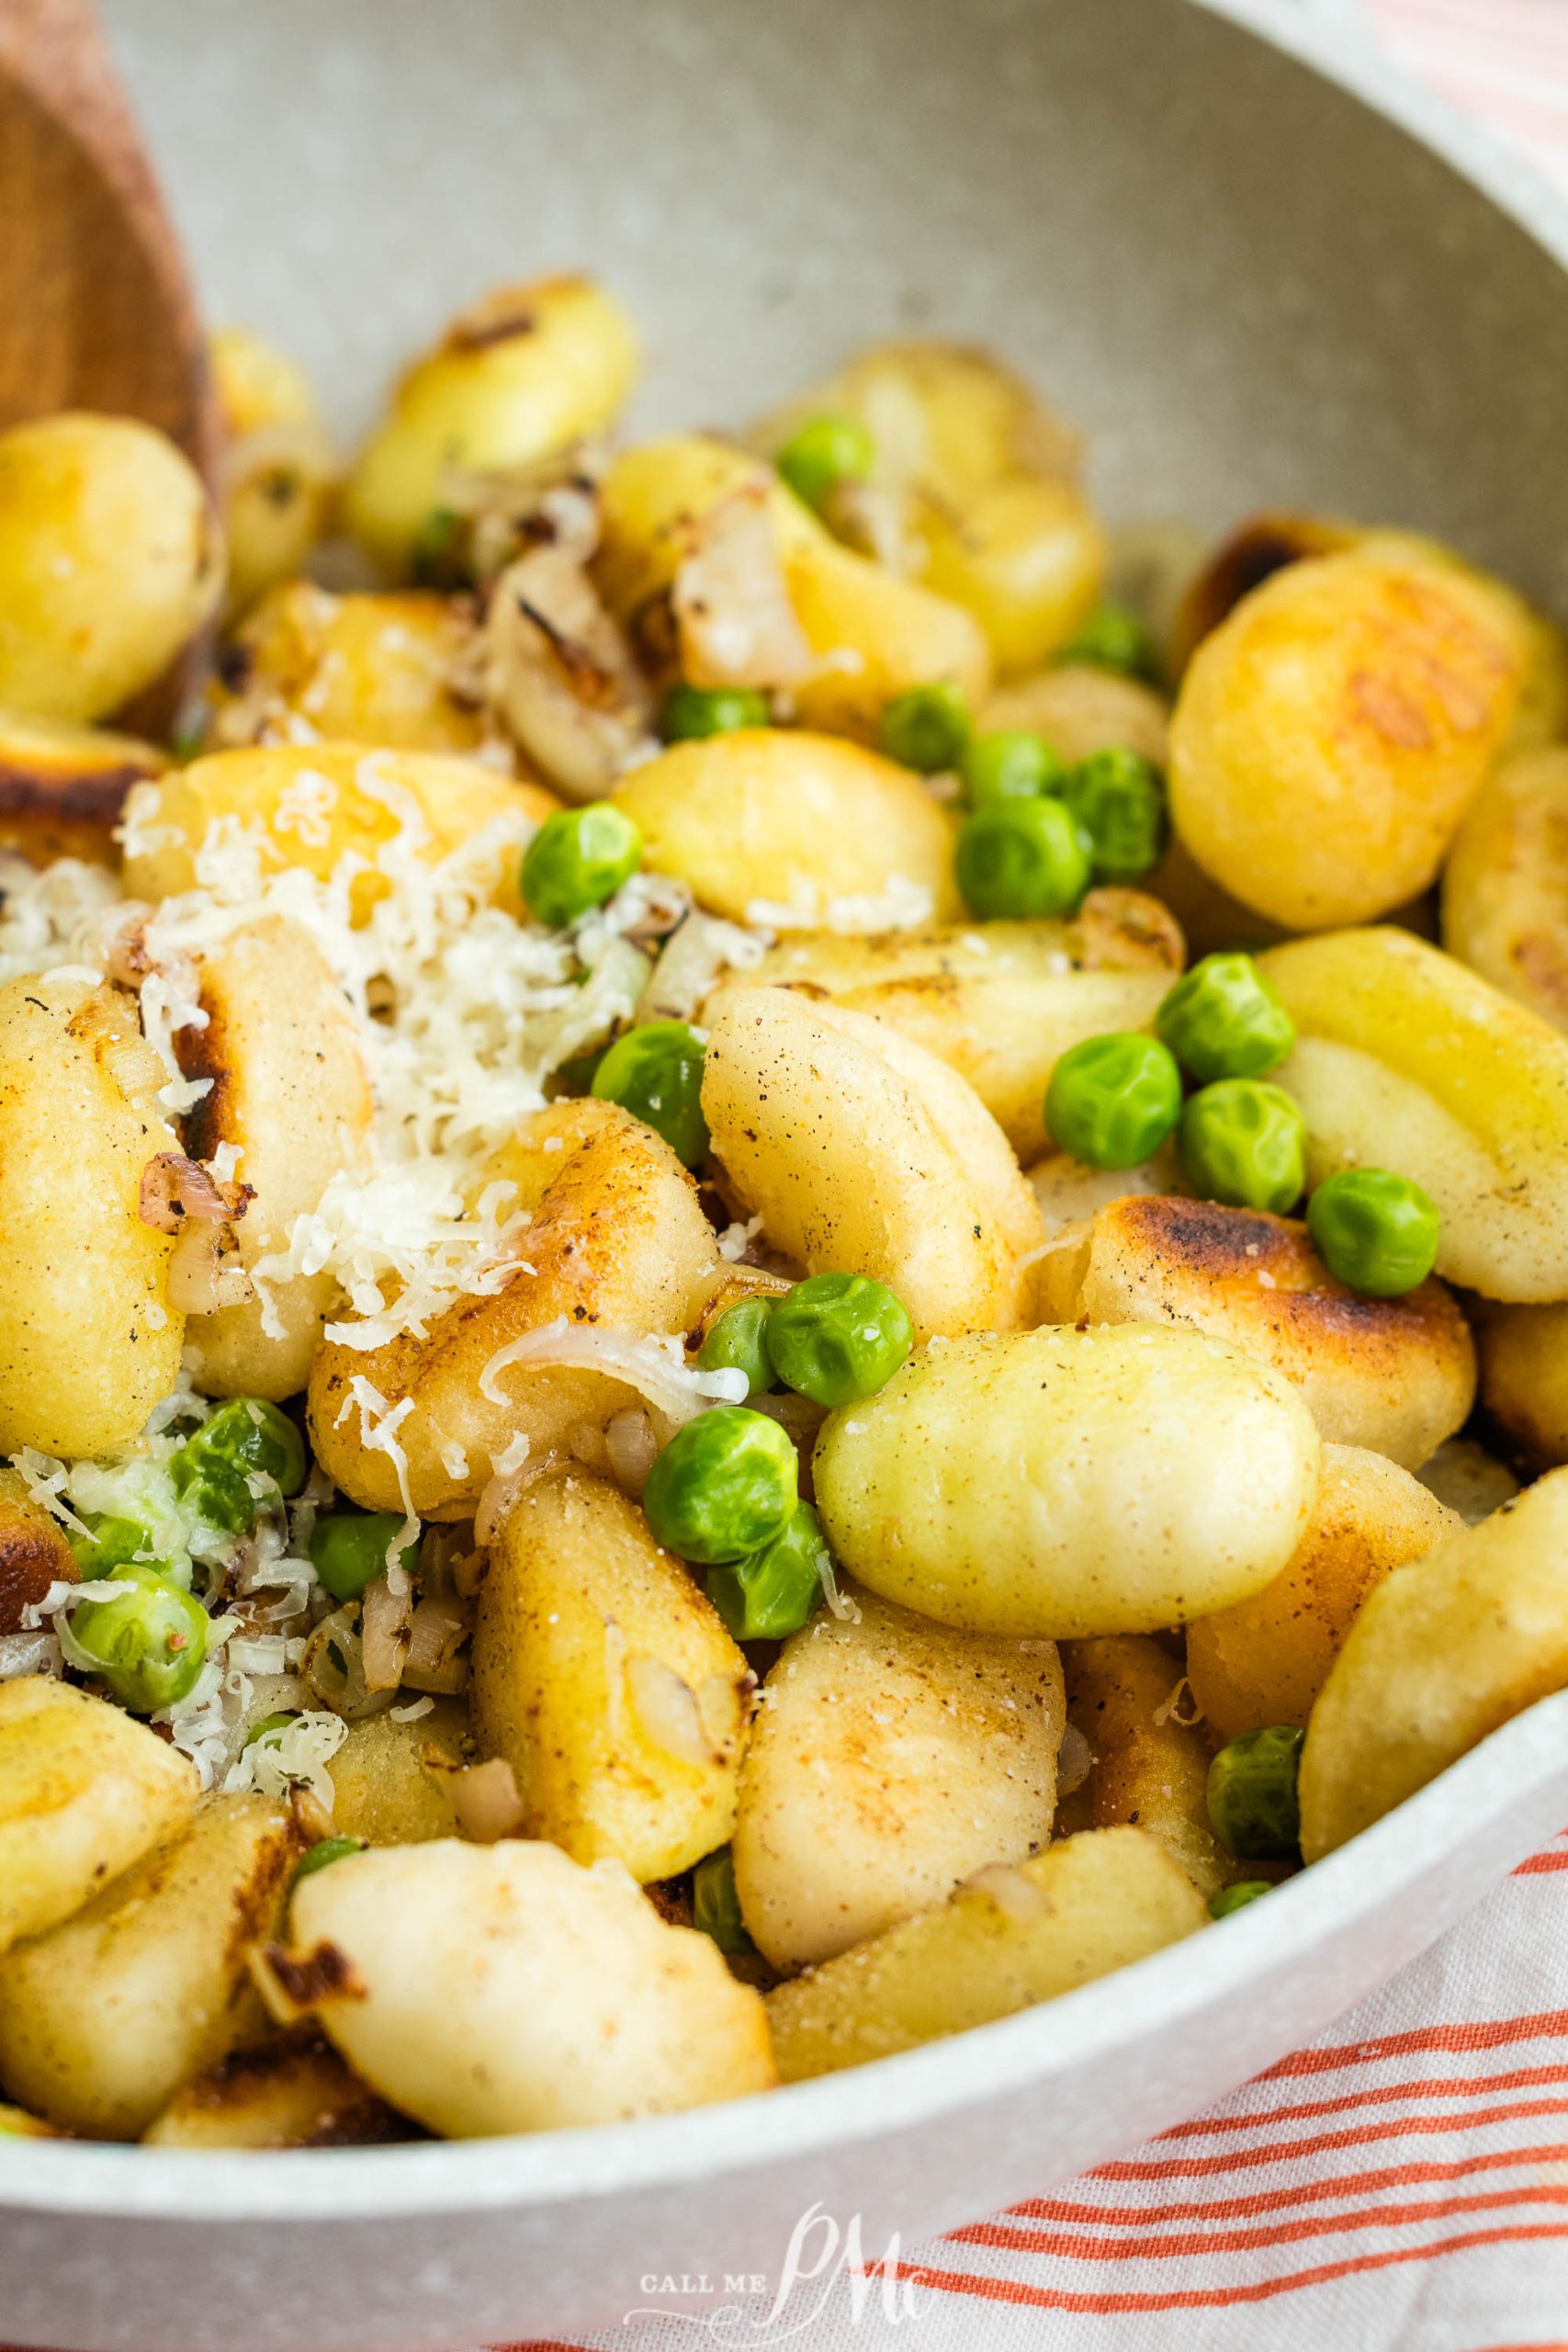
656,1368
296,1756
904,905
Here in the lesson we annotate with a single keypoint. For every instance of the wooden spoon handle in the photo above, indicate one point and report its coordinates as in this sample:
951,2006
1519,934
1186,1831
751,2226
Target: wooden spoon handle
97,308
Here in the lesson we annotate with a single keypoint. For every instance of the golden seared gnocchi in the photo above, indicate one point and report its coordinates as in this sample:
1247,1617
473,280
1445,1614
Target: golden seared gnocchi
1445,1649
1330,735
293,2093
616,1244
859,1149
891,1760
609,1682
313,805
85,1792
1505,884
1524,1378
386,671
571,1350
1265,1660
89,1339
1396,1375
63,787
392,1775
1014,1936
111,560
103,2018
1147,1756
1402,1053
767,826
984,1486
34,1553
1266,543
290,1098
999,1002
278,462
566,1999
520,376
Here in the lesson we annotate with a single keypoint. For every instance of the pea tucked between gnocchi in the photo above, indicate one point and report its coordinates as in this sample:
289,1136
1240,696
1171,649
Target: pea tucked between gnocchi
758,1290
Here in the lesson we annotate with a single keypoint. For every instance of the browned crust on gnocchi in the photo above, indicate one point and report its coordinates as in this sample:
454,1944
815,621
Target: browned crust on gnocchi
1396,1375
34,1553
1253,553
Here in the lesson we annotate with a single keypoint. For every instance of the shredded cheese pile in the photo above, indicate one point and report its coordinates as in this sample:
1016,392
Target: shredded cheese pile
462,1011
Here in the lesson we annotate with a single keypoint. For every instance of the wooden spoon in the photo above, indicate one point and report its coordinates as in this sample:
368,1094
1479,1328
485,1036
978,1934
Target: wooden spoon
97,308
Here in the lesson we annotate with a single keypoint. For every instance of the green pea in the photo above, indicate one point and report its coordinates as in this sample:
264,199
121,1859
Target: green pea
148,1647
1119,800
1237,1897
772,1593
271,1726
1253,1806
693,713
927,728
438,559
1010,764
823,452
1113,1099
1245,1144
579,858
716,1907
836,1337
348,1549
735,1341
656,1073
1224,1019
724,1485
1114,637
1017,859
1375,1230
111,1544
246,1444
322,1854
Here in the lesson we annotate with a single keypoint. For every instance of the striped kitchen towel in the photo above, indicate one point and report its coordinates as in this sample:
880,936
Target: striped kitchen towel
1400,2186
1506,61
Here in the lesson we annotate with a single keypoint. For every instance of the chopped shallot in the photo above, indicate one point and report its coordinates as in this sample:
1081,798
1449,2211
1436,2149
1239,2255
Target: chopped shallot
560,677
384,1634
736,624
484,1796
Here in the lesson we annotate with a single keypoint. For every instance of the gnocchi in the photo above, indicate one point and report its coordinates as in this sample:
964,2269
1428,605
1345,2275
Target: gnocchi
1392,1037
85,1792
998,1002
891,1760
858,1148
821,831
957,1493
1092,1904
518,376
1330,735
1444,1649
1265,1660
569,2000
111,560
608,1683
106,2015
1396,1375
